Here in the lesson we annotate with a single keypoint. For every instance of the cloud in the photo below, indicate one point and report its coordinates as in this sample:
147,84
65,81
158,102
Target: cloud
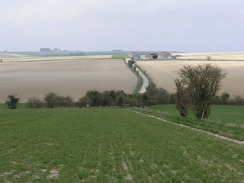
44,11
104,23
37,11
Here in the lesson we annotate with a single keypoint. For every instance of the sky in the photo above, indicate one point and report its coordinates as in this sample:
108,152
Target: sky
133,25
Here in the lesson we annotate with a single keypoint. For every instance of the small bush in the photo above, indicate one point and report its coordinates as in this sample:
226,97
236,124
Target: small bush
65,101
156,95
34,103
12,101
51,100
130,63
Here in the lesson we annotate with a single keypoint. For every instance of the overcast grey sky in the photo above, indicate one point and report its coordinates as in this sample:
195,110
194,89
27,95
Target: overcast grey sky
176,25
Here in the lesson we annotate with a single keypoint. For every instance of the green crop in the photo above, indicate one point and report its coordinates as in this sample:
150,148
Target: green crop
110,145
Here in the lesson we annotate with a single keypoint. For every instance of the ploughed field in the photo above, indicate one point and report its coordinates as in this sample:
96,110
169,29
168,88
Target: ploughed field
11,57
212,56
110,145
70,77
163,73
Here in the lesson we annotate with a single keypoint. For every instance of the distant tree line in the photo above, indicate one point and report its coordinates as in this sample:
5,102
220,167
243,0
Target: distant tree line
50,50
108,98
225,99
58,52
94,98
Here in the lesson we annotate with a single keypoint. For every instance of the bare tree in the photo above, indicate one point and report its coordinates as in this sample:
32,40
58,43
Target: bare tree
201,83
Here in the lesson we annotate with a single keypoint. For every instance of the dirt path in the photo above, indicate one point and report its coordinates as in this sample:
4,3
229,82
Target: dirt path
195,129
145,81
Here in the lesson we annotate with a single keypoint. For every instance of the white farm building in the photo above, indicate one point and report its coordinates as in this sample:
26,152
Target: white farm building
150,55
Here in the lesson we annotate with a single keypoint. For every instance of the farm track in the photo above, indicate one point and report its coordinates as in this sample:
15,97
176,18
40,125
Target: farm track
195,129
145,81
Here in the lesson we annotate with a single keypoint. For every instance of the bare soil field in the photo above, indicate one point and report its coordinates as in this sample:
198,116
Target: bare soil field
70,77
12,55
163,74
213,56
64,58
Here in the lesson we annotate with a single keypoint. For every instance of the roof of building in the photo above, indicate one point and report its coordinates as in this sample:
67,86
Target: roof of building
164,53
140,53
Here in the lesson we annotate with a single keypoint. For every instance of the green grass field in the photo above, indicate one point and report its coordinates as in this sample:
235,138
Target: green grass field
110,145
226,114
119,56
226,121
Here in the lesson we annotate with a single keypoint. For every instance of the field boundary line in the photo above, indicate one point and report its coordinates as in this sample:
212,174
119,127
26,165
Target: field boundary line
195,129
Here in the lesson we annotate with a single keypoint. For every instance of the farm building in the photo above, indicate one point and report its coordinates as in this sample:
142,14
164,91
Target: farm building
155,55
141,56
164,55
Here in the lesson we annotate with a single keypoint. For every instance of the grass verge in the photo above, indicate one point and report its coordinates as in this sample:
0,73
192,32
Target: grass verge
220,127
139,79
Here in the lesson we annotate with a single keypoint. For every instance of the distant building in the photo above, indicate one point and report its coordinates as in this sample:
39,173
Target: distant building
165,55
141,56
149,56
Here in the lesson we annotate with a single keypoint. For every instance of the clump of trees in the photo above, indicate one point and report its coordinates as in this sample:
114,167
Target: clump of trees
51,100
47,52
155,96
196,87
108,98
226,99
12,101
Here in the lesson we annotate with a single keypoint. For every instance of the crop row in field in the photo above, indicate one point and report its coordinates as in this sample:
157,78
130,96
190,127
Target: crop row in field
110,145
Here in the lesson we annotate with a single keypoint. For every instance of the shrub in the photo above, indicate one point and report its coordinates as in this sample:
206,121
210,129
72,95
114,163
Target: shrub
65,101
201,83
224,98
237,100
130,63
107,99
51,100
82,102
157,95
182,103
12,101
34,103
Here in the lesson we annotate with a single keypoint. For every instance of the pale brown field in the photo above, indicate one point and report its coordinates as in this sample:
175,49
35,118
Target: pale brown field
12,55
163,74
213,56
74,78
64,58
